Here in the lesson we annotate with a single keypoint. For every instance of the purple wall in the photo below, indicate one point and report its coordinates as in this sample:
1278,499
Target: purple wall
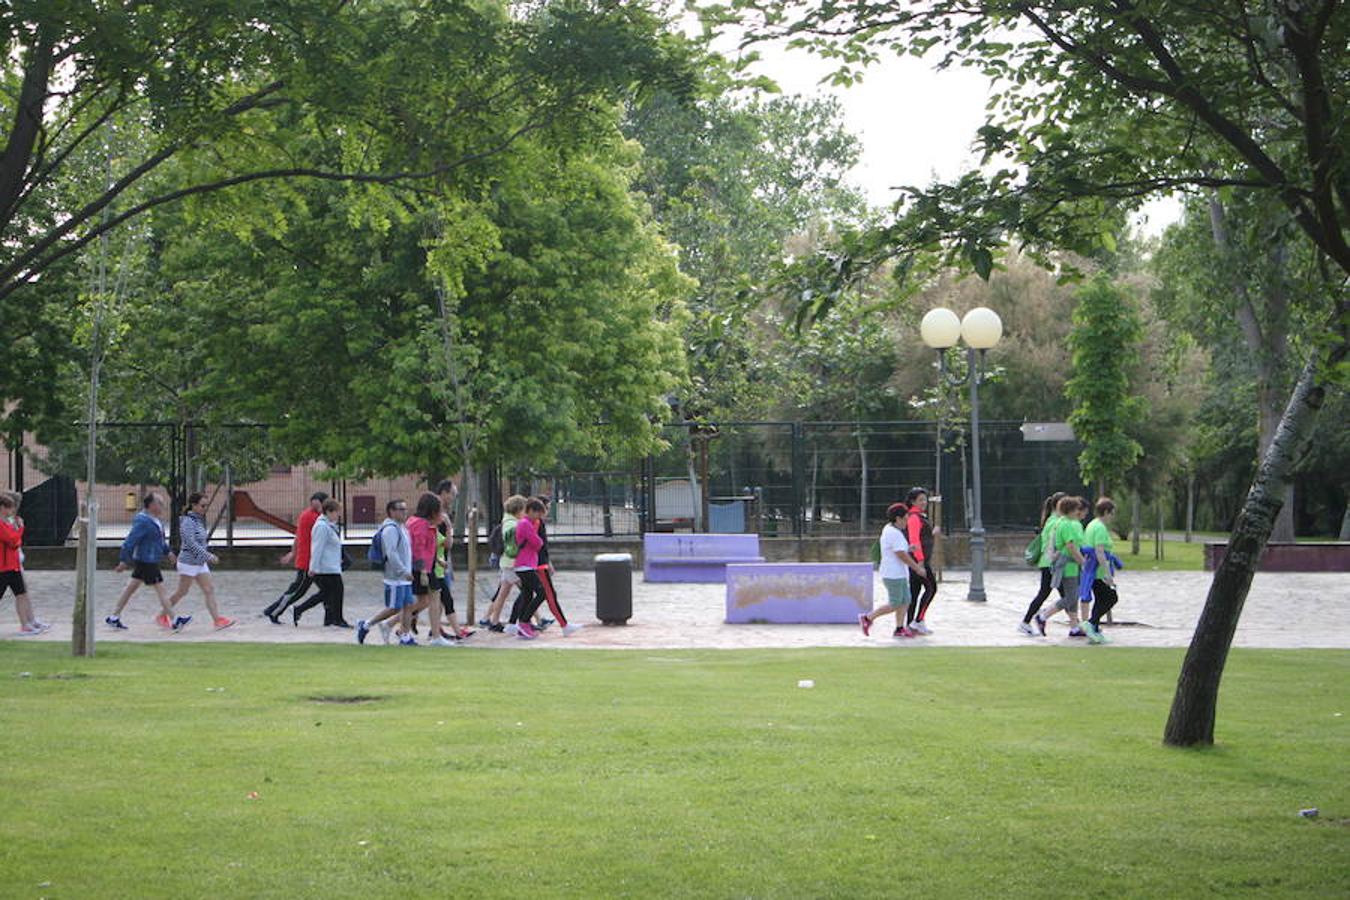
798,593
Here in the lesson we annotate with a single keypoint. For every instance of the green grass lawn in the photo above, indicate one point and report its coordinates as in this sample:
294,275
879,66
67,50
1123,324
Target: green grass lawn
1178,556
1034,771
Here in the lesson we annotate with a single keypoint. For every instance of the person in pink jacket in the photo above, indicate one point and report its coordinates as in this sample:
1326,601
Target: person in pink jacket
527,562
422,530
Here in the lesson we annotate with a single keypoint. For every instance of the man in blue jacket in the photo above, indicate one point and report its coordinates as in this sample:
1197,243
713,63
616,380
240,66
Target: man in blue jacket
144,547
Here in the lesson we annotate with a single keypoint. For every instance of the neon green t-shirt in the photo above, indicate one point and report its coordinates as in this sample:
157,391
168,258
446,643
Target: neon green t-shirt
1069,531
1098,535
1048,540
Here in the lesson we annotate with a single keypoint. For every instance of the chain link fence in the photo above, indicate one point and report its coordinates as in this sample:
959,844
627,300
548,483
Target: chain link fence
807,479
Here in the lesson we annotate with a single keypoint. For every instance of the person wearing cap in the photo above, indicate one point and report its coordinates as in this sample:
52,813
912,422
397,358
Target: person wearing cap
299,556
896,564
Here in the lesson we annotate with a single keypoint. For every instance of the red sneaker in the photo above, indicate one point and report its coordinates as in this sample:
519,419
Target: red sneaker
163,621
865,623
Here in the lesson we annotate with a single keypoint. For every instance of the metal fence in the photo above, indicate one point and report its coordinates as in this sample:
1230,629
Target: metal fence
812,479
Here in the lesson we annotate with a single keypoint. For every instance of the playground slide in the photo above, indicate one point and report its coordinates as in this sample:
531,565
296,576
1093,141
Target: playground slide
245,508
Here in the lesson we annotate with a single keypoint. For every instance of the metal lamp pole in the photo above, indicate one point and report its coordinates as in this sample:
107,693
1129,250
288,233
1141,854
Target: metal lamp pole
981,329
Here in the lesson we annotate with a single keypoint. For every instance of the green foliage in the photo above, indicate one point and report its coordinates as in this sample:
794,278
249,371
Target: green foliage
733,180
1105,343
1095,106
268,108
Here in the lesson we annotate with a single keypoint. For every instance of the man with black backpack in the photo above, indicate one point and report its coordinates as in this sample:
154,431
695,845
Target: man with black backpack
391,552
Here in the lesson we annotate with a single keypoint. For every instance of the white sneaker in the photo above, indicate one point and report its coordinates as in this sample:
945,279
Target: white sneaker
385,628
1026,628
513,628
442,641
921,627
572,628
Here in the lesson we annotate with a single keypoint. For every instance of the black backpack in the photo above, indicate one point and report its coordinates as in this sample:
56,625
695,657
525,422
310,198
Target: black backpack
496,545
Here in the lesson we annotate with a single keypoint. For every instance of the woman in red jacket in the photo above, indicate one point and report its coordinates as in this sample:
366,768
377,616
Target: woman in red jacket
11,566
922,588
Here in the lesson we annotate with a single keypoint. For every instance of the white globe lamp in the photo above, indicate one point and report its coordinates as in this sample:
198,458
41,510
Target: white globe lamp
940,328
981,328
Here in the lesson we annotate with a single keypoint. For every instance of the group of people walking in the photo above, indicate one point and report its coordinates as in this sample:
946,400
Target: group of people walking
904,556
413,554
1079,563
146,546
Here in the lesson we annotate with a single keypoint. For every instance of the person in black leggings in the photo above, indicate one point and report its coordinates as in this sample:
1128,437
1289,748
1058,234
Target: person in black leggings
1048,519
919,533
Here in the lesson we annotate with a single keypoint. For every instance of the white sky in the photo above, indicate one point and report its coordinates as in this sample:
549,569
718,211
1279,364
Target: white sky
915,123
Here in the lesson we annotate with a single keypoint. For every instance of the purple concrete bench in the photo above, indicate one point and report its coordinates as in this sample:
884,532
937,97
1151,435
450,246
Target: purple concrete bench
695,558
1327,557
798,593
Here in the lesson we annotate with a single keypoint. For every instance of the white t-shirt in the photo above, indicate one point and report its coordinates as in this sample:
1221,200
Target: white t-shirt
892,541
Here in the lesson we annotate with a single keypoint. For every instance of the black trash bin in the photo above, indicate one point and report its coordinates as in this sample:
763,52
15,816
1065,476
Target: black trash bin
614,588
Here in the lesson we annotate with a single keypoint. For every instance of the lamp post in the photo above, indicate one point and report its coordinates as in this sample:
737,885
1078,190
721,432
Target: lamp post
981,329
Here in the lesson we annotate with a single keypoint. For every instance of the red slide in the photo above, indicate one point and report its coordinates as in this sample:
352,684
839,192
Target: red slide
245,508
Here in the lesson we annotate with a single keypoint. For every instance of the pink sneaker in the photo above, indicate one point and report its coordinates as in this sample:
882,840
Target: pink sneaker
865,623
527,632
223,623
904,631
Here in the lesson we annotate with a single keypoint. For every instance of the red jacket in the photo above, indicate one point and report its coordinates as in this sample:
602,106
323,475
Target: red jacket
11,539
303,528
920,535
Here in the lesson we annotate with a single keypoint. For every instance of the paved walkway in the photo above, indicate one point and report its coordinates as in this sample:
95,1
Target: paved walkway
1283,610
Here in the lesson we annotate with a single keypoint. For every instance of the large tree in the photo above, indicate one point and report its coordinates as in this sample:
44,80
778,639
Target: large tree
396,96
1097,106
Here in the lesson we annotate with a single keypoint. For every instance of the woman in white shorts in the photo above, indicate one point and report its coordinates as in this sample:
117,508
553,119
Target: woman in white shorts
195,561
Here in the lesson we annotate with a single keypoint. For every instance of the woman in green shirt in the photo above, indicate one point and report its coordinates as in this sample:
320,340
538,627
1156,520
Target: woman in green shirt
1049,519
1067,559
1097,540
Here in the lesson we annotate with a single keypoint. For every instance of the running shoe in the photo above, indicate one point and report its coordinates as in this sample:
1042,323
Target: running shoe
407,640
181,622
162,621
1076,632
1025,628
544,623
41,626
496,627
222,623
384,631
295,616
865,623
484,623
115,622
572,628
442,641
466,633
513,628
526,631
1040,624
1092,633
904,631
920,627
362,629
29,631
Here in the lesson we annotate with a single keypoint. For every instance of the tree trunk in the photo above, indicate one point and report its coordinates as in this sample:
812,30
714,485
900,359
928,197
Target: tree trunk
1270,418
1345,524
1196,701
1190,504
1134,523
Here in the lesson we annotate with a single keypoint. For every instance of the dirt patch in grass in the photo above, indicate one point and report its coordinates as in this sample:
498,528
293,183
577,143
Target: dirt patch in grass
345,698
